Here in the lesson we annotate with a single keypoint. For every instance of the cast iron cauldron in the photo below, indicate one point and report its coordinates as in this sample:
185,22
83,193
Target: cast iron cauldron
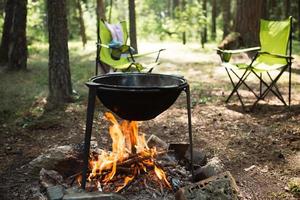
138,96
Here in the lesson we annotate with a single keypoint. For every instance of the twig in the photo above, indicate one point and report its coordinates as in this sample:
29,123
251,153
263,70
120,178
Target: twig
138,158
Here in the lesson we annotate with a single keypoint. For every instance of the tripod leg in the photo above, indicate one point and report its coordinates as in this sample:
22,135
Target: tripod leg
88,133
188,103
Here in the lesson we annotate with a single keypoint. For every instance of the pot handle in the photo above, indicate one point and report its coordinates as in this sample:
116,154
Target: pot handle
92,84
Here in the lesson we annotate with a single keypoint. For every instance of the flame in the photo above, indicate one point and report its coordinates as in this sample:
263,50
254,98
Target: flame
126,181
161,175
126,144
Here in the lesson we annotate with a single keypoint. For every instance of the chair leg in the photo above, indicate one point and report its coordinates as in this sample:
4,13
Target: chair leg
260,84
276,88
269,88
235,86
243,82
290,83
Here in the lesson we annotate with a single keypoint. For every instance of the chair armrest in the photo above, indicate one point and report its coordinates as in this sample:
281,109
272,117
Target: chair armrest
226,54
236,51
275,55
147,53
102,45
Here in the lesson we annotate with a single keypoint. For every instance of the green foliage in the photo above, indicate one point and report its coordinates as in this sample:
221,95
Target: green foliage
155,19
1,26
36,21
190,19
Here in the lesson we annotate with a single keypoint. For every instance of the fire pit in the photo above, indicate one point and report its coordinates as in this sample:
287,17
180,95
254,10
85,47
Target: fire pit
134,96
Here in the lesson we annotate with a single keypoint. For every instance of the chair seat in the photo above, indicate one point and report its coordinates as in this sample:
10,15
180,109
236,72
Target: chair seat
236,66
258,67
262,67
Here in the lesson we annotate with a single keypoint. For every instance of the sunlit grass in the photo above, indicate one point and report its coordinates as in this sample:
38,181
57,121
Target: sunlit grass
19,90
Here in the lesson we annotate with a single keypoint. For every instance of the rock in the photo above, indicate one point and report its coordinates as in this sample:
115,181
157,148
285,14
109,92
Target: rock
50,178
53,156
157,142
92,196
55,192
200,158
219,187
213,167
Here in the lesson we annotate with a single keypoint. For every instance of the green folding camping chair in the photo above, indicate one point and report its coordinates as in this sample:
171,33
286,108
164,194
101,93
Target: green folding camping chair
274,54
120,58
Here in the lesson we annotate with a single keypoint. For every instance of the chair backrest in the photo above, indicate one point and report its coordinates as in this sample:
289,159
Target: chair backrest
275,38
105,38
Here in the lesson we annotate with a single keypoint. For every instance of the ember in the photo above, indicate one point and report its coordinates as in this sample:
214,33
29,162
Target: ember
130,156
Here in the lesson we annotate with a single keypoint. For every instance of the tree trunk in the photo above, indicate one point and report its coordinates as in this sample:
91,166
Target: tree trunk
100,10
175,7
287,8
298,20
213,20
60,87
132,25
6,37
183,3
175,4
110,10
204,35
169,8
247,21
2,7
226,17
265,10
13,49
81,23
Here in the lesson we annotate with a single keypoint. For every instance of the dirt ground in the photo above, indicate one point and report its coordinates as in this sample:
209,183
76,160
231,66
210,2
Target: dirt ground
260,148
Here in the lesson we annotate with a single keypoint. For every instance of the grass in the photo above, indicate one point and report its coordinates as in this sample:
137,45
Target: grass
20,91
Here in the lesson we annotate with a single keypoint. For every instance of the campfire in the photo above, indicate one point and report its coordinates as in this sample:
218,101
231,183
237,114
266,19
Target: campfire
111,171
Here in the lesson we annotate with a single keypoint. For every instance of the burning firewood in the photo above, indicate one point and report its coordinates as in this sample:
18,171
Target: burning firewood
130,157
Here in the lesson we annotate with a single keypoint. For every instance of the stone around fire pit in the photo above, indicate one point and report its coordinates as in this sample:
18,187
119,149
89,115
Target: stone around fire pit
59,193
220,187
53,156
213,167
200,158
93,196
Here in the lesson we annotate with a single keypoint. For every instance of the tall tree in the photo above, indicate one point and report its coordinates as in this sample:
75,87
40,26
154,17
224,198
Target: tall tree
60,87
287,8
213,19
175,4
100,10
247,21
265,10
9,8
204,26
132,25
2,7
183,4
13,49
81,23
298,20
226,17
